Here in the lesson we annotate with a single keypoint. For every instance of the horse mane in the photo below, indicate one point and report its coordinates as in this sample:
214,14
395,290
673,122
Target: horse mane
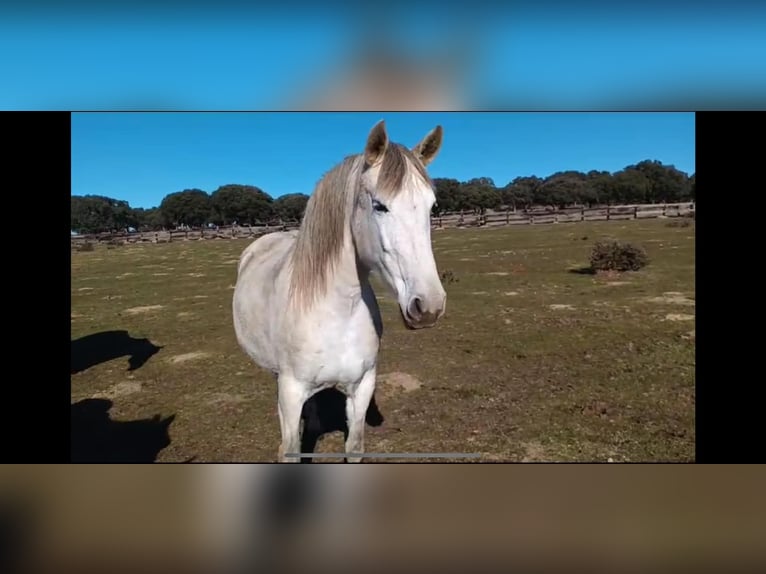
319,245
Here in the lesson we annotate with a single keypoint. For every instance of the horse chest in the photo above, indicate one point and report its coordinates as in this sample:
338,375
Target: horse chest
339,352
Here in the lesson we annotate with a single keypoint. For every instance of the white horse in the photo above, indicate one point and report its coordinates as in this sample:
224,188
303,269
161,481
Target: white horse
303,305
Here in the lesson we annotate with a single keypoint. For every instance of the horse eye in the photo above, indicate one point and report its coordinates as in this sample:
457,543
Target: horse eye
377,206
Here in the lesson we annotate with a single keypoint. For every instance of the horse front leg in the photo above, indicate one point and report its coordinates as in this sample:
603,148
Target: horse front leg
356,411
292,395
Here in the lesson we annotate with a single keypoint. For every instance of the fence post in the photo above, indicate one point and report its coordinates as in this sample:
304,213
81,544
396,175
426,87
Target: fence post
635,212
582,213
607,212
664,209
507,215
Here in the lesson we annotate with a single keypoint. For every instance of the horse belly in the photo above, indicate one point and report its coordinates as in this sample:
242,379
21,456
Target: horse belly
333,370
254,337
345,370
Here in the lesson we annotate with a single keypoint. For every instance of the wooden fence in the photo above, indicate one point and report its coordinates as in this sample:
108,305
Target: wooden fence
567,215
535,216
229,232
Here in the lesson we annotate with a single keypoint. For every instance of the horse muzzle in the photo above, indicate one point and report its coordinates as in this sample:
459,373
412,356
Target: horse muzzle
419,314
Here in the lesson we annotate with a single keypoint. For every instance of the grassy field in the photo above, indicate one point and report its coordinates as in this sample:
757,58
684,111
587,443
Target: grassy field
533,361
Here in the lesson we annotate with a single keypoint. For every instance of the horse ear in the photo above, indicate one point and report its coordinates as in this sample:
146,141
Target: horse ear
427,149
377,142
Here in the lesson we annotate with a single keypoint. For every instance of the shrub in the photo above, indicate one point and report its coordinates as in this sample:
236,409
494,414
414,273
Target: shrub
87,246
615,256
448,277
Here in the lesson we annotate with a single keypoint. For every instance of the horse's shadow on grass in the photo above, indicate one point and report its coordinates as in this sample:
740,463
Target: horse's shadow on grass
324,413
97,348
96,438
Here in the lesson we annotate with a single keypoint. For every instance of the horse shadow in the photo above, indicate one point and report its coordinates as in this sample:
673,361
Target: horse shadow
325,412
96,438
97,348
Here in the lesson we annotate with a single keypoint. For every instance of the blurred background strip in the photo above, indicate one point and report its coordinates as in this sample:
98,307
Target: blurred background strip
235,55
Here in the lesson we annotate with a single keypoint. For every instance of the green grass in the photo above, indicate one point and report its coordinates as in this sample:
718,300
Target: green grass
504,374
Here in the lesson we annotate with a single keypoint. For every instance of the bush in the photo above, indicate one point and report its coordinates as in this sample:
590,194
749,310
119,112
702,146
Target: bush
86,246
615,256
448,277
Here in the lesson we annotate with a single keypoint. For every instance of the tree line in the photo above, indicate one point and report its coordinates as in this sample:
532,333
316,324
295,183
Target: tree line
648,181
229,204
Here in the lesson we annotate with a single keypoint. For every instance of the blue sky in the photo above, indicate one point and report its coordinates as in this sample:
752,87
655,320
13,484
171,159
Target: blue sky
141,157
233,55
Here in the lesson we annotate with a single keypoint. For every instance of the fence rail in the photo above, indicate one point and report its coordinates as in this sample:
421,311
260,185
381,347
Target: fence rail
229,232
566,215
535,216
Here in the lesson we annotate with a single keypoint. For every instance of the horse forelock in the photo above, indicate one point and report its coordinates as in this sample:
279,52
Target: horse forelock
398,163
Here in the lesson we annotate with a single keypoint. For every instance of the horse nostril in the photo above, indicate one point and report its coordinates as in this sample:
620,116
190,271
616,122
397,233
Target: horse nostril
416,308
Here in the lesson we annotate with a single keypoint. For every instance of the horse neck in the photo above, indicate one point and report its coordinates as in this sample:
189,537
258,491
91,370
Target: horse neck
346,277
351,276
